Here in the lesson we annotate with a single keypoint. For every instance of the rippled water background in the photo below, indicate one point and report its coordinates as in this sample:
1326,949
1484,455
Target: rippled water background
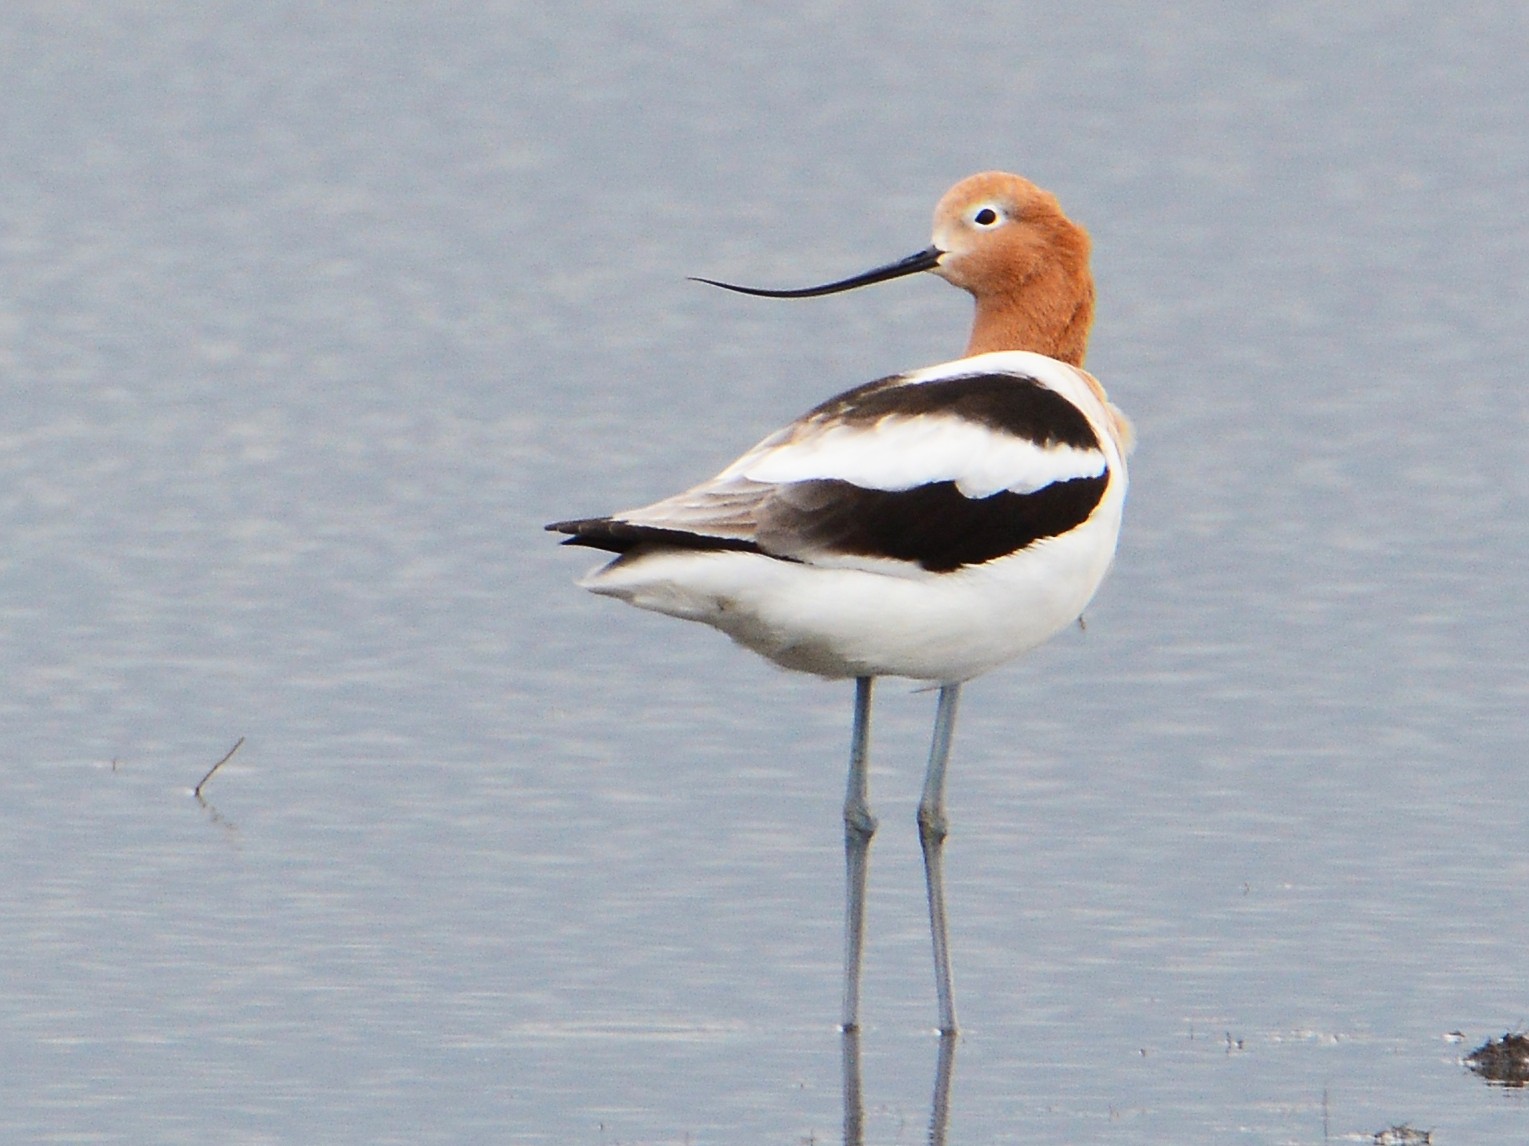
310,316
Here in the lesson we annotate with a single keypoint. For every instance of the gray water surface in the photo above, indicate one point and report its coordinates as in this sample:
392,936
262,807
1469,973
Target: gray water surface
310,316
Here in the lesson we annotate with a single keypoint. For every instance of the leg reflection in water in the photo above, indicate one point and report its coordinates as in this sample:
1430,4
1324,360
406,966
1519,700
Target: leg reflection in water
854,1107
854,1103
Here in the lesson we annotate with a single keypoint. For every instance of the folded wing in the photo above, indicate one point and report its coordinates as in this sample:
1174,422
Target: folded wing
930,471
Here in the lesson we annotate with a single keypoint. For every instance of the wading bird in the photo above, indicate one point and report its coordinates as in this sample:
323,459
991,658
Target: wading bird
932,525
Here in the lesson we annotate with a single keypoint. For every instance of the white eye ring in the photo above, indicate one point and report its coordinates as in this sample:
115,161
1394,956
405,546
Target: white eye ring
987,216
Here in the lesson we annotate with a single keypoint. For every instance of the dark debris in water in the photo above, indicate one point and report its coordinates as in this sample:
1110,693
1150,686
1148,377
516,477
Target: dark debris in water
1502,1062
1404,1135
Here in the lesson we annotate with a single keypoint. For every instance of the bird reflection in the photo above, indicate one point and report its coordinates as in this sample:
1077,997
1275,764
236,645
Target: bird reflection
854,1107
939,1106
854,1103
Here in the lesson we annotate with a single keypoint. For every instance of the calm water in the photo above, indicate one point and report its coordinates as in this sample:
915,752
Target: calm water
311,316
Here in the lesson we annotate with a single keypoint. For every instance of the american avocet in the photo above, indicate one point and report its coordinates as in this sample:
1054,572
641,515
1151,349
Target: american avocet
930,525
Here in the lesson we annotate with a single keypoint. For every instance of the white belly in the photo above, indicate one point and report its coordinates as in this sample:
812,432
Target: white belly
848,622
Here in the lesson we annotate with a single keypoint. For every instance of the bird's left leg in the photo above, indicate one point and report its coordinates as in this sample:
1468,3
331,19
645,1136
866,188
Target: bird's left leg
932,829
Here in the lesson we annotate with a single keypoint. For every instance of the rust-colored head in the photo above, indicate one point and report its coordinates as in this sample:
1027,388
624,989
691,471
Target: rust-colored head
1006,241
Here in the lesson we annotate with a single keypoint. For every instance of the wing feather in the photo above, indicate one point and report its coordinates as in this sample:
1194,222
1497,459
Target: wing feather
932,471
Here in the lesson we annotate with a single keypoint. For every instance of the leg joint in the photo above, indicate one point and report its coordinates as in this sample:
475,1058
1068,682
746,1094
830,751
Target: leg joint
858,822
933,827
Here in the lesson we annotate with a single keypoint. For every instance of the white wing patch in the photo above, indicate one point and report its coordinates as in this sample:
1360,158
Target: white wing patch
899,453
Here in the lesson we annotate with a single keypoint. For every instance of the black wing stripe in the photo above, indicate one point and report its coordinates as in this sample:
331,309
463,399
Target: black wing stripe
935,526
1012,404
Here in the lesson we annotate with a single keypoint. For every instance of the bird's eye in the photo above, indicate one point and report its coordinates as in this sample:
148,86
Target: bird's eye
987,217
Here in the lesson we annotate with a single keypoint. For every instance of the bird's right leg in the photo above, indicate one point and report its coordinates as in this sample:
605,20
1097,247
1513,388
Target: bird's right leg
859,827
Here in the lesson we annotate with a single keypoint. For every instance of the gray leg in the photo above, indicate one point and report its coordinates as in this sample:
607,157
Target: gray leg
932,829
859,827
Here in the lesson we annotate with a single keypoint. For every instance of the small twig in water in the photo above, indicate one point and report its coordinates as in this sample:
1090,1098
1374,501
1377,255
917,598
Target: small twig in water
197,791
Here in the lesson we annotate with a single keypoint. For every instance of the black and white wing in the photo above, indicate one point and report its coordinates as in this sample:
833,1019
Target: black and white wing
932,471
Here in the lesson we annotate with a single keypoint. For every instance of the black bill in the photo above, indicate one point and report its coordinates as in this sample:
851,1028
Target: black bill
925,260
